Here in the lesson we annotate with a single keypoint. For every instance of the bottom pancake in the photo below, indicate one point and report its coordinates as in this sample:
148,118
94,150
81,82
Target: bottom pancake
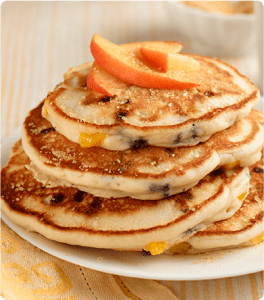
244,228
68,215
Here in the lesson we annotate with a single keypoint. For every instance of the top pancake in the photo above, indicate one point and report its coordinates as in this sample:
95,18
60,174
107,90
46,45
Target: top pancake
138,116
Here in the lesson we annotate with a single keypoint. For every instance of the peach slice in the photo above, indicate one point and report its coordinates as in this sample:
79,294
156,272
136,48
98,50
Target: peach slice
124,65
165,60
102,82
171,46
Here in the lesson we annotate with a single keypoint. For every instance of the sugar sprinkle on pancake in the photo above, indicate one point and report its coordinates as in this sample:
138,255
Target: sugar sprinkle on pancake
148,173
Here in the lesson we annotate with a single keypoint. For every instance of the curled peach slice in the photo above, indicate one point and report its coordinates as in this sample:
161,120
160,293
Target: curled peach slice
169,46
102,82
165,60
126,66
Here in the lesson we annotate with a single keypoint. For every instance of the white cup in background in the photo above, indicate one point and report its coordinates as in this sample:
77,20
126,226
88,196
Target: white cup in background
213,33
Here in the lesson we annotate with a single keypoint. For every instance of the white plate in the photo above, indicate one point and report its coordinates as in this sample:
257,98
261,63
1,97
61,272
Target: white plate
220,264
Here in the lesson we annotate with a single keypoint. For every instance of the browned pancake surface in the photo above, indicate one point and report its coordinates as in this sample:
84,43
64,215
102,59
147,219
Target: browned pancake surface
60,152
25,196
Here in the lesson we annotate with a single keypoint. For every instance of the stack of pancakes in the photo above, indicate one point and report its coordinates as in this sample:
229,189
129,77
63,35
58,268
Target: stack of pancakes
148,170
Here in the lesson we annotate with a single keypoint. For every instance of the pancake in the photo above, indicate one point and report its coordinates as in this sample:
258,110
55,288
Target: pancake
244,228
137,117
67,215
149,173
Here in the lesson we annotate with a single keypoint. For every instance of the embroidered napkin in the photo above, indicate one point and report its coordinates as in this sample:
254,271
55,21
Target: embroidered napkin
28,273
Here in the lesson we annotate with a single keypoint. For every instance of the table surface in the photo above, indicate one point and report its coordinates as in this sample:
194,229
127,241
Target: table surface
41,40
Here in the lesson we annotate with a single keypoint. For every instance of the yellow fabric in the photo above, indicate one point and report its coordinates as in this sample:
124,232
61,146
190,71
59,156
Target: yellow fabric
28,273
